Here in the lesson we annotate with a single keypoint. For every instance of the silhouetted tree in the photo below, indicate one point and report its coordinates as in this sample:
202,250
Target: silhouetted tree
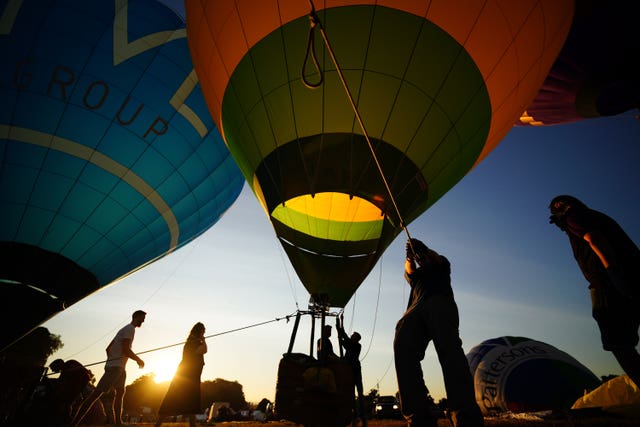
443,404
220,390
368,401
22,365
373,393
144,391
33,349
430,400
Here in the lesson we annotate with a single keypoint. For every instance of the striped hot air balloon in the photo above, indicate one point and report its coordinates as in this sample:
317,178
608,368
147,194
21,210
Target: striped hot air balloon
596,73
437,85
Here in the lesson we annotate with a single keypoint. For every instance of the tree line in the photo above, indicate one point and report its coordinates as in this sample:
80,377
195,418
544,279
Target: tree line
145,392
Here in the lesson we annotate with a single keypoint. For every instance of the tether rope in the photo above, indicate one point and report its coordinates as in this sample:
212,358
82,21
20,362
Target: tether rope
375,316
162,284
315,22
277,319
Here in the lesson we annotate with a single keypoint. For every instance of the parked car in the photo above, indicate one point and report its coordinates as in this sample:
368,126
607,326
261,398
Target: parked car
386,407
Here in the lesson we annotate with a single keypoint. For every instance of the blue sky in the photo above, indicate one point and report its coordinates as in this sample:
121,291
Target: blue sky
513,273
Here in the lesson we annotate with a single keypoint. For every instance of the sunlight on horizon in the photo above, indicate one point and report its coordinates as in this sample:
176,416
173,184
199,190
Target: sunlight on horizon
163,371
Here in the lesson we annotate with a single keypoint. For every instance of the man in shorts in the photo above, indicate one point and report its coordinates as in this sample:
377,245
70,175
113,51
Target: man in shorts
118,353
610,261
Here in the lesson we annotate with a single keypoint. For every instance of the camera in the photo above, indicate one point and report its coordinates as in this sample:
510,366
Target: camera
559,220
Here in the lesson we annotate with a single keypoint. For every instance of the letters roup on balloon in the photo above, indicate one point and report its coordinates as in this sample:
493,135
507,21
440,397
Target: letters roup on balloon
110,159
63,82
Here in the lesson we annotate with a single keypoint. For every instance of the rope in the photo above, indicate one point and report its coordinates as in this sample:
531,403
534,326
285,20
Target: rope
127,320
312,50
386,371
277,319
286,270
375,316
315,22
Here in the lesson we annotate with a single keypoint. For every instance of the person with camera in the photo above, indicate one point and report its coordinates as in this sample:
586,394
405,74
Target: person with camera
432,315
610,261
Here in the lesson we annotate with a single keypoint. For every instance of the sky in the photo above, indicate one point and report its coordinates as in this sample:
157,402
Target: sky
513,273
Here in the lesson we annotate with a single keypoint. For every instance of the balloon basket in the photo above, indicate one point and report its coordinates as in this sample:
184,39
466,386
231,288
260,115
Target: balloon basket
312,393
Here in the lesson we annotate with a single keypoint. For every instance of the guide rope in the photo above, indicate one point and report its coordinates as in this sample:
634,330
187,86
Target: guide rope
277,319
316,23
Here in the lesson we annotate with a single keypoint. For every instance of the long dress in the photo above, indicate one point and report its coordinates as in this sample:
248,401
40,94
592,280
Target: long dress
183,395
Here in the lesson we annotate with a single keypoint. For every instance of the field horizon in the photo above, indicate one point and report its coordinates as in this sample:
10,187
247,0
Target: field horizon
518,420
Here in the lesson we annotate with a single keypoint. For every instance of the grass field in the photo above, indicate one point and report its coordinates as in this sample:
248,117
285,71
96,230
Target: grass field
489,422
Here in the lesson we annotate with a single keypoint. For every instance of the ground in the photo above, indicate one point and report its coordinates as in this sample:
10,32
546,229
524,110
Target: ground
489,422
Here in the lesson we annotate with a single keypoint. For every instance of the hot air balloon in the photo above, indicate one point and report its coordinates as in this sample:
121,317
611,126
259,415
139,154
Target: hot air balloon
350,118
596,73
109,158
436,84
619,396
520,374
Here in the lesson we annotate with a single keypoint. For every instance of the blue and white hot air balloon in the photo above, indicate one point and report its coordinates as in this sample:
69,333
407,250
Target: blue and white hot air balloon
519,374
109,158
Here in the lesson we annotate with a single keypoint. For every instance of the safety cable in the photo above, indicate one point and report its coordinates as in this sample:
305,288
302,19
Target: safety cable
315,22
277,319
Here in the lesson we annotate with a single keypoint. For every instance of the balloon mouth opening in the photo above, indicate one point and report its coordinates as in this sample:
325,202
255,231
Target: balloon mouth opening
33,288
332,216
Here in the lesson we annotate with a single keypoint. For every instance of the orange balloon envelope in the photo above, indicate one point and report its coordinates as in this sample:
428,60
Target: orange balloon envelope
597,73
437,83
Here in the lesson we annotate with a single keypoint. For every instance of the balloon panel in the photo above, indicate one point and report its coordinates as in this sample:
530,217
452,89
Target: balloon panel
550,384
596,73
110,159
519,374
436,88
619,395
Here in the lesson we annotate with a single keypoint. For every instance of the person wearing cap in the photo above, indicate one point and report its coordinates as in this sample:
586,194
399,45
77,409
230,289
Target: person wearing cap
610,262
432,315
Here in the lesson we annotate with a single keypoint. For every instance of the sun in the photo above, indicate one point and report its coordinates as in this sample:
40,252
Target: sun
163,370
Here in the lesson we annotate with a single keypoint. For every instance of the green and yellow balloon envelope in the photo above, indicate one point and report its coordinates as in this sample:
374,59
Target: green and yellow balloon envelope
437,84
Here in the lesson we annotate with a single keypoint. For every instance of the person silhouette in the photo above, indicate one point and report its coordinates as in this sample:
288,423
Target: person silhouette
183,395
118,353
610,262
432,315
352,348
69,386
324,346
